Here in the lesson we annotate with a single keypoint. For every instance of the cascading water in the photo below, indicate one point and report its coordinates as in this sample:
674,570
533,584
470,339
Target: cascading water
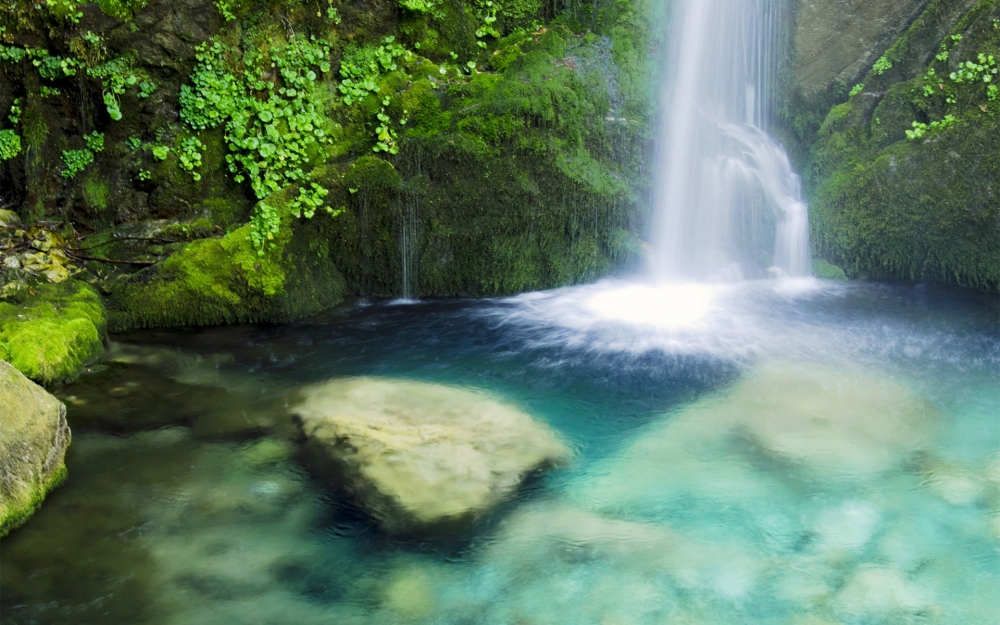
726,199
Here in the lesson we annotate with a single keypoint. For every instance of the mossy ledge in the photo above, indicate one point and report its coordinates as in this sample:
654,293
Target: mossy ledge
224,280
50,331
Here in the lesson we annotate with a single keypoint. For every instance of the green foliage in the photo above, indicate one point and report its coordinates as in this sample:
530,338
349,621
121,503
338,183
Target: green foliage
48,92
920,129
94,141
959,91
273,127
15,112
117,76
160,152
121,9
190,156
856,89
75,161
54,67
10,145
361,67
881,66
227,9
68,10
419,6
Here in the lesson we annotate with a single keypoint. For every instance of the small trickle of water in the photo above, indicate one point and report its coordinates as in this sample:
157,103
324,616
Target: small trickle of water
408,246
726,198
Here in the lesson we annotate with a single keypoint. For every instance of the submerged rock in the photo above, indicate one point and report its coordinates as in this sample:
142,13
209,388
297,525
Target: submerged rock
415,454
33,440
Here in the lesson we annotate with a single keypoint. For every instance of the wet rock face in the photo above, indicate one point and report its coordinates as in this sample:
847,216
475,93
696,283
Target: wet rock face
416,455
838,40
33,441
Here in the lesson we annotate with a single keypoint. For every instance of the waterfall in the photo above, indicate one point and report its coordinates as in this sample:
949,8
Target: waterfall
726,201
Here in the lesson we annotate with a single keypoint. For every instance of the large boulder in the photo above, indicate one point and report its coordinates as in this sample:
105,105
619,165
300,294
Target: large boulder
33,440
838,41
417,455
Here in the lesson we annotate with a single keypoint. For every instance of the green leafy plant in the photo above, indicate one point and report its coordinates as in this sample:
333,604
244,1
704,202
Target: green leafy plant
265,100
10,145
160,152
65,9
856,89
54,67
117,76
488,15
76,161
361,67
48,92
190,156
881,66
133,142
227,9
94,141
921,129
15,112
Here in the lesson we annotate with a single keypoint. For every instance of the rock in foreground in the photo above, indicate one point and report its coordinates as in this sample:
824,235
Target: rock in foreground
33,441
415,455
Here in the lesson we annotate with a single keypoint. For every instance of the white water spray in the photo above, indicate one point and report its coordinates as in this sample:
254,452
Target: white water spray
726,198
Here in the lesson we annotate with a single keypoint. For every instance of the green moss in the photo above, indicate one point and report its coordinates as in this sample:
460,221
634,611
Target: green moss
225,280
885,206
50,333
16,516
503,182
96,192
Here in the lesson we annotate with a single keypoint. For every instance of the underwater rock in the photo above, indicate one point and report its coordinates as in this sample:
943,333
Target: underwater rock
842,422
554,563
416,454
752,446
33,441
883,592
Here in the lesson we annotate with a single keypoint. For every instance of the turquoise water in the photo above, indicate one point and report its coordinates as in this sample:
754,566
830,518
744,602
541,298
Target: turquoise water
768,452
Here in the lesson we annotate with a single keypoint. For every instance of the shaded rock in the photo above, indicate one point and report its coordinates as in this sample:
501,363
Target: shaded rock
33,441
415,454
838,41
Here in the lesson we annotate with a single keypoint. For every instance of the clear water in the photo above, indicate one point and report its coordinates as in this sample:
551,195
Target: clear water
763,452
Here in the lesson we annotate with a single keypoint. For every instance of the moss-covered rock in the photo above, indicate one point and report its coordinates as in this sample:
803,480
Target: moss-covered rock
225,280
904,176
33,441
49,331
513,180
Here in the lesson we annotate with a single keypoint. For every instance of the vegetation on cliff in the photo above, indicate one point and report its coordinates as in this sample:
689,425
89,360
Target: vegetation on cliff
904,174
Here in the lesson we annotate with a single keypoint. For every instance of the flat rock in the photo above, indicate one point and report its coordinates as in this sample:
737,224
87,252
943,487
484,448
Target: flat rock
33,440
415,455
